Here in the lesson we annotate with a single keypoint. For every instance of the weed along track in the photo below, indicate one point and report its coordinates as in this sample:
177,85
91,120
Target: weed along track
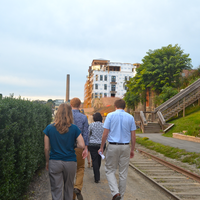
175,182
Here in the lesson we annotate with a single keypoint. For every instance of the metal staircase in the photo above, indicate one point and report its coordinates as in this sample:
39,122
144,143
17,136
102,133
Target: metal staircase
180,101
170,108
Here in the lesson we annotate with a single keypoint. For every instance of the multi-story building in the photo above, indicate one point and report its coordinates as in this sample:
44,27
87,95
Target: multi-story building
107,79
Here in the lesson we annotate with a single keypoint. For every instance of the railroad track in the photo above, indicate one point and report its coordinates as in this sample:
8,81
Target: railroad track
175,182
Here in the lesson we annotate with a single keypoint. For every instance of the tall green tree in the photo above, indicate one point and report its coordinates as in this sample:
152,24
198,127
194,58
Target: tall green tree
160,67
51,104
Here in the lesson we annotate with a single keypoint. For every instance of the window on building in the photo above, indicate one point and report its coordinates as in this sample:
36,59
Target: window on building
96,95
113,78
96,77
105,78
101,77
125,87
105,86
96,86
100,95
125,78
129,78
113,88
105,94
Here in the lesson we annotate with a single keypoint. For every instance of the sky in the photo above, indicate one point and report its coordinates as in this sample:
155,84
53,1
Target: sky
41,41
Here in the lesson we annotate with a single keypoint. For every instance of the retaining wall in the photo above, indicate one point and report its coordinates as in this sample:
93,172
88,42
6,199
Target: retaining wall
186,137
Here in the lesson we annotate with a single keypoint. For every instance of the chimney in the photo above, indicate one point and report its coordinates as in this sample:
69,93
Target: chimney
67,87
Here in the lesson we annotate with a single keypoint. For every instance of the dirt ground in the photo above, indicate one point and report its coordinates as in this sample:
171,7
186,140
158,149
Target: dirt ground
137,188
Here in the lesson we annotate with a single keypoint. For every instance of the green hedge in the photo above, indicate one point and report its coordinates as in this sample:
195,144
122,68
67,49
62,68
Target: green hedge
21,144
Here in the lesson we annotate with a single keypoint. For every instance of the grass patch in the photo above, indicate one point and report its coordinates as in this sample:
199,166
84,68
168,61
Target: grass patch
190,124
138,131
171,152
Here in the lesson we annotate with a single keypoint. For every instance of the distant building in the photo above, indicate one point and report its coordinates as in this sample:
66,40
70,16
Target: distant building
107,79
186,73
58,102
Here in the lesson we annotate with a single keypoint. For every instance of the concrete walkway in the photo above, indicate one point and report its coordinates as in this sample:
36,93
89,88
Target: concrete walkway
173,142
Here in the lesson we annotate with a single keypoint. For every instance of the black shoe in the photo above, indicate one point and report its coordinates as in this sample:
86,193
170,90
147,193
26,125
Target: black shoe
97,181
78,194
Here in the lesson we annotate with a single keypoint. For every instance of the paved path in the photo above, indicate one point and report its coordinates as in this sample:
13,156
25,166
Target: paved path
137,188
173,142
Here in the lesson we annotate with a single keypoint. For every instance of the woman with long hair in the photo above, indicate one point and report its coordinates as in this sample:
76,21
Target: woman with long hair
61,163
95,135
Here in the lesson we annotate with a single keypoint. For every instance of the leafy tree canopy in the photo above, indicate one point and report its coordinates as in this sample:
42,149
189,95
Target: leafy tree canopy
50,101
167,93
160,67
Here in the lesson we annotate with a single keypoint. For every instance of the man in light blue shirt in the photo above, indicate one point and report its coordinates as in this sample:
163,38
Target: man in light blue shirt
119,130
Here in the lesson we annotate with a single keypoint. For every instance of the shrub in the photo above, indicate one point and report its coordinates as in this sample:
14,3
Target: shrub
21,144
145,138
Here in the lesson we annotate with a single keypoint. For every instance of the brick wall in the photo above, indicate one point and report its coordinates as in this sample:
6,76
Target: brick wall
109,100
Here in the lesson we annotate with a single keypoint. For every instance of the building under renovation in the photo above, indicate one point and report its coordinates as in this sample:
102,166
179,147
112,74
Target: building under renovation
107,79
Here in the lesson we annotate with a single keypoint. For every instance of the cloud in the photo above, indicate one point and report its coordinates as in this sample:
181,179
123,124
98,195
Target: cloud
17,81
42,41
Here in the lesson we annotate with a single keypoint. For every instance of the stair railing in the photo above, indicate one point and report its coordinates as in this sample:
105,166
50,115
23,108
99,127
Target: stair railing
142,117
181,104
181,100
177,97
165,126
143,121
162,121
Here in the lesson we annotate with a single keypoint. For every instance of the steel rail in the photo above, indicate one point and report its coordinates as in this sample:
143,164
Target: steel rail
155,184
172,166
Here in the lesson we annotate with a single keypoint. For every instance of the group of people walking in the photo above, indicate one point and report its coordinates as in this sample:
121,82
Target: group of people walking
70,137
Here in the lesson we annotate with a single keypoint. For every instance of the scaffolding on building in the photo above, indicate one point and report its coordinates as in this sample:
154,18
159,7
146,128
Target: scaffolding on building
88,93
98,64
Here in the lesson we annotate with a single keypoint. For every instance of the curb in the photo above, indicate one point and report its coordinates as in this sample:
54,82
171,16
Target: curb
186,137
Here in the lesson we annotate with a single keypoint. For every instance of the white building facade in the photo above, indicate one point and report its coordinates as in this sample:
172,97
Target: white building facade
109,78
